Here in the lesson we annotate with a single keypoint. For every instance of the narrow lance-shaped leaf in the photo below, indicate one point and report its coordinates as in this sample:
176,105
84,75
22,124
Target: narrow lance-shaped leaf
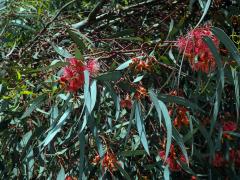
93,91
168,124
35,104
141,127
204,12
220,85
180,143
223,37
236,84
87,96
61,174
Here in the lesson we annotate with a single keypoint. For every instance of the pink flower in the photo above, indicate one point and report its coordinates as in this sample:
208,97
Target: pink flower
73,74
197,51
92,67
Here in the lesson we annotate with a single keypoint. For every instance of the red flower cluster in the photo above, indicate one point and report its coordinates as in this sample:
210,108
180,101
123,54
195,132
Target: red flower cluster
108,163
70,178
218,160
73,76
172,159
229,126
197,51
181,118
126,103
141,92
234,158
139,65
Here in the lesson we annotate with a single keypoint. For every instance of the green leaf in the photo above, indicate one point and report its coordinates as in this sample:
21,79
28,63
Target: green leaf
77,39
124,65
34,105
133,153
154,99
223,37
220,85
236,85
93,91
204,12
110,76
180,143
168,124
166,173
50,136
54,130
141,126
115,99
87,95
124,173
61,51
25,139
180,101
137,79
61,174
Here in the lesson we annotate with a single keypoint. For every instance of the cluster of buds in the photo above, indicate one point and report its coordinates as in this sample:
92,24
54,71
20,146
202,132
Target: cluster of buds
108,163
172,159
126,103
181,118
197,51
139,65
73,74
140,93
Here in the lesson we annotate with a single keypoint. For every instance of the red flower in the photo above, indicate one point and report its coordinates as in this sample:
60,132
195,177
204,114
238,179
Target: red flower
126,103
218,160
70,178
229,126
109,162
172,159
181,118
92,67
197,51
73,76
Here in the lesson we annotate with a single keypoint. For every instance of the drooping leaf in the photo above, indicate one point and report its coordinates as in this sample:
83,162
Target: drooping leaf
223,37
220,85
61,51
110,76
236,85
168,124
61,174
179,141
124,65
34,105
207,5
141,126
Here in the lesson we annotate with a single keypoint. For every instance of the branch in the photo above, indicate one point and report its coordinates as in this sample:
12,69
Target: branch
95,19
91,17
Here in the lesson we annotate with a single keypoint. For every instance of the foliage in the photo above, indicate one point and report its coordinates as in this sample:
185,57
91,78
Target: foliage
119,89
